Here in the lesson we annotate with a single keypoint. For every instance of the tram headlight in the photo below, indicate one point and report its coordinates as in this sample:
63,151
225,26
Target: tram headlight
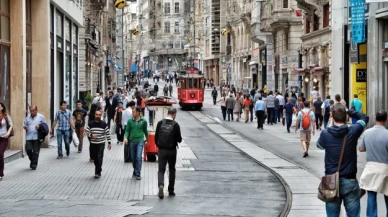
192,95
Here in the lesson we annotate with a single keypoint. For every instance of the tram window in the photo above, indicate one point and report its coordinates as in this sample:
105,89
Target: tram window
195,83
190,83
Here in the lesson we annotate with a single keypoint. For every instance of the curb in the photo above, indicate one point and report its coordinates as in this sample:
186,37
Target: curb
11,155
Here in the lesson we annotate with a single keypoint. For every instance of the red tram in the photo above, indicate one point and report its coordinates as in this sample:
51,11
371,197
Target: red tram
191,88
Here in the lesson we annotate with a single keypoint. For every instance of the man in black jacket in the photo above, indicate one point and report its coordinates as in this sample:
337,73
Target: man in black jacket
156,89
110,106
167,136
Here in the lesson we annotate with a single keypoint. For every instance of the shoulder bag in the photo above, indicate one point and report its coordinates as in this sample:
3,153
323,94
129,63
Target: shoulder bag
12,133
328,189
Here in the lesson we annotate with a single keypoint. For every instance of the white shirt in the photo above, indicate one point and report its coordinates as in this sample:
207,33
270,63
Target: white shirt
315,95
127,114
281,99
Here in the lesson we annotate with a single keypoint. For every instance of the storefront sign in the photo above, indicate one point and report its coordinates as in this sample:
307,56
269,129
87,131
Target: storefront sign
357,8
361,75
359,78
353,53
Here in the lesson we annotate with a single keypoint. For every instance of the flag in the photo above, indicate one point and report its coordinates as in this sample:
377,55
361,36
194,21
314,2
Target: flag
297,13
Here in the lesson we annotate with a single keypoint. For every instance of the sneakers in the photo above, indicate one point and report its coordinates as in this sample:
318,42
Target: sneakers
60,156
161,193
97,176
138,178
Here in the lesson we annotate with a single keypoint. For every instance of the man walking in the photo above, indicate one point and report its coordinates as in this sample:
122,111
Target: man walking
156,89
230,105
306,119
318,112
165,90
281,106
270,107
167,137
136,130
170,89
260,112
31,126
326,111
356,104
117,120
288,111
79,115
110,107
375,175
97,131
214,95
331,140
64,130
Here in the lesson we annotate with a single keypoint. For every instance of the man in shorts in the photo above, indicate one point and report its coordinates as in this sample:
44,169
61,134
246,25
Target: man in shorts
305,133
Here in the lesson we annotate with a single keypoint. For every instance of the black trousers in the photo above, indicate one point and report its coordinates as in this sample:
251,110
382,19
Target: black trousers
230,113
33,149
110,117
120,132
223,109
214,100
167,156
97,153
260,118
319,119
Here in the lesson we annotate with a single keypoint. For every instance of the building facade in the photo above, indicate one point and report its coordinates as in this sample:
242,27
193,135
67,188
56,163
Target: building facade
39,57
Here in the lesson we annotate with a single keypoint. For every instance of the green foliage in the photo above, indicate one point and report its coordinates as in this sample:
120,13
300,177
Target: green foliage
88,99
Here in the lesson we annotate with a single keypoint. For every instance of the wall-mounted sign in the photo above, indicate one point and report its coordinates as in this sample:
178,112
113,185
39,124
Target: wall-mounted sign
354,53
357,9
361,75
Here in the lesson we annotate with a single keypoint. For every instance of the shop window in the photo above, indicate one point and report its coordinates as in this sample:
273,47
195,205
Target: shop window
4,75
59,24
326,16
307,26
75,35
67,30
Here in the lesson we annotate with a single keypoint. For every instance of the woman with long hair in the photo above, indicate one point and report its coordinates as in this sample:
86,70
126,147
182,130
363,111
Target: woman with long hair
246,104
238,106
5,131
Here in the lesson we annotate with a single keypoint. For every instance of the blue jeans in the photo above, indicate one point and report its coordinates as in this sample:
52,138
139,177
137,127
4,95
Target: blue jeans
371,209
65,134
275,116
289,121
251,111
350,194
136,151
270,115
151,117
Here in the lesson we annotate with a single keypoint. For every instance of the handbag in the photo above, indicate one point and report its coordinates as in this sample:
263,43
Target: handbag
12,133
328,189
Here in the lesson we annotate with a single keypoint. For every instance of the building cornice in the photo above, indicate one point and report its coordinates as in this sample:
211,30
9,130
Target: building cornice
316,33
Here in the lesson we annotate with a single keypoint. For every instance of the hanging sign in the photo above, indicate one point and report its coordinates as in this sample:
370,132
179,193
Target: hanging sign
357,10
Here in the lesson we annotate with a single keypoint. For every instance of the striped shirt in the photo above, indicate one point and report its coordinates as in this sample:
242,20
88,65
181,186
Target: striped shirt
100,129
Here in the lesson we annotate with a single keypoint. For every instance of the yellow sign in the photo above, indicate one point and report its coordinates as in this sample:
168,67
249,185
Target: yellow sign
359,78
120,4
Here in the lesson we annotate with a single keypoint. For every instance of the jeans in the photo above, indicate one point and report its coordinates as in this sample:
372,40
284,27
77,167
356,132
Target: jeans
289,121
230,113
275,115
33,149
80,135
270,112
151,117
65,134
350,194
326,120
280,113
260,118
223,110
97,154
167,156
3,146
371,209
136,151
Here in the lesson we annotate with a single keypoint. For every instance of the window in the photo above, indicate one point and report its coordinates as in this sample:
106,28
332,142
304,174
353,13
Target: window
285,40
316,22
285,3
59,24
176,27
75,34
177,7
4,20
274,42
307,26
167,27
167,8
67,30
326,14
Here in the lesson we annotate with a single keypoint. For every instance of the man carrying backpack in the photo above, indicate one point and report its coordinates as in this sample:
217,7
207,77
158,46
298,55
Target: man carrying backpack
306,119
167,136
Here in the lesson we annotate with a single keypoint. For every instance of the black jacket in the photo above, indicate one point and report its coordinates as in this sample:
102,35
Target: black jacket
156,88
177,132
110,107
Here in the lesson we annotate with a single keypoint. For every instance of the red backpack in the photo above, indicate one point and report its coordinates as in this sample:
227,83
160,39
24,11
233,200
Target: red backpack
306,120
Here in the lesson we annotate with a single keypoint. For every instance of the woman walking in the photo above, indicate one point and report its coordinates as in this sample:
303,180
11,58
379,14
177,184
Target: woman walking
5,131
247,105
223,105
238,106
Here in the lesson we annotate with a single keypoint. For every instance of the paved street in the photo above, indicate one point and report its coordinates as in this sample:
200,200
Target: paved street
213,179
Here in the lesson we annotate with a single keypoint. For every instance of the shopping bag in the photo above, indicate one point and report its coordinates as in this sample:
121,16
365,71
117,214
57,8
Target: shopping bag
75,139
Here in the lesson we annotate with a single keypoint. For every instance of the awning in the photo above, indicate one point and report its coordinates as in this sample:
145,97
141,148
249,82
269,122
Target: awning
318,71
252,63
300,71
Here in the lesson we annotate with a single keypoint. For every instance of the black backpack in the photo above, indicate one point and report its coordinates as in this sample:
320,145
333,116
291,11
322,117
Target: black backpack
166,135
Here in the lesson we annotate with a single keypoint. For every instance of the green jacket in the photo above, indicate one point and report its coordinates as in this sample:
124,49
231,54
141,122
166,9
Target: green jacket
136,130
